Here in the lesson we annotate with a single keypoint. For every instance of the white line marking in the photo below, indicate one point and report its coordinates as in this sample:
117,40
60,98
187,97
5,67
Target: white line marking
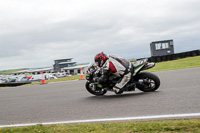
109,119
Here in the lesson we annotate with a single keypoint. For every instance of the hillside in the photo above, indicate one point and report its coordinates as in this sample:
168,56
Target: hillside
8,72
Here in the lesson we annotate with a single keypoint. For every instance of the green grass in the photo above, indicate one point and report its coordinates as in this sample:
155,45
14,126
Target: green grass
11,71
189,62
74,77
168,126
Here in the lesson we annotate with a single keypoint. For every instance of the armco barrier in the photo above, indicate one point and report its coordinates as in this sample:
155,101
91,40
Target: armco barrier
174,56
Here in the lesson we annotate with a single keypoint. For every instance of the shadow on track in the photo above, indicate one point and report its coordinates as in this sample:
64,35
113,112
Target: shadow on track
124,95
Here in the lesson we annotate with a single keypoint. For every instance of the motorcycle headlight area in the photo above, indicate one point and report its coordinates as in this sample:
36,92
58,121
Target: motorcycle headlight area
88,77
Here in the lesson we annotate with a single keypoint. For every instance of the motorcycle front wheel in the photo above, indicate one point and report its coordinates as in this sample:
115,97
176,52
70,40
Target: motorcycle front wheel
97,91
147,81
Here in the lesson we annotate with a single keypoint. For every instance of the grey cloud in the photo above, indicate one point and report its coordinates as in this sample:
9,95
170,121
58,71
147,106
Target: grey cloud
123,28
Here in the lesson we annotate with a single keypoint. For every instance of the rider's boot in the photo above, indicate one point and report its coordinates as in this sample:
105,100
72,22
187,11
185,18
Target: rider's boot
118,90
130,86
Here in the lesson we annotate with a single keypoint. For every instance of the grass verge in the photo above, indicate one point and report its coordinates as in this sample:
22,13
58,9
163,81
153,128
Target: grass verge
189,62
192,125
11,71
75,77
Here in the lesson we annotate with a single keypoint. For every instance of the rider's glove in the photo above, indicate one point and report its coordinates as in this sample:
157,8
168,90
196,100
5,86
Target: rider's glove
96,79
103,78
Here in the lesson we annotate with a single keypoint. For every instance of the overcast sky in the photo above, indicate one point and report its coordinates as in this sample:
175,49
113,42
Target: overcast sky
34,33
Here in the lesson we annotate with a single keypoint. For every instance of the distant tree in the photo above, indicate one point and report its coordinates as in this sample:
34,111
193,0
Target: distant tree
132,60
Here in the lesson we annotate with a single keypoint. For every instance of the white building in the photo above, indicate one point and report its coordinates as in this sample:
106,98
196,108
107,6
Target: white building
62,66
67,70
35,71
75,70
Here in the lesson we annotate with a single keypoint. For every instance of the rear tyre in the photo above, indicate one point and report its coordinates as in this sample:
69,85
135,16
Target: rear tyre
150,81
97,92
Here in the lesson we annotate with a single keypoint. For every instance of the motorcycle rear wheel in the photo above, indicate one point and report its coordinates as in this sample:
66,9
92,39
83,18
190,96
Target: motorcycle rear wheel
150,80
98,91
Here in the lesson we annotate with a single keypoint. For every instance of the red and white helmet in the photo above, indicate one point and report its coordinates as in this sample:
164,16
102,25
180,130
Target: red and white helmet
100,59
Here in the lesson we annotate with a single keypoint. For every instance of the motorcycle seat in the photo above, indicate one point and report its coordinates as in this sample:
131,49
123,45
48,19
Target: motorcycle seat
139,63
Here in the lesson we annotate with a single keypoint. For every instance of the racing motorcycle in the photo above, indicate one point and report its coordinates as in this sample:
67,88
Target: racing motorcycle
144,81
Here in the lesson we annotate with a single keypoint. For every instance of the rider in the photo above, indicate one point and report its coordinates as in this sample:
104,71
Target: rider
116,66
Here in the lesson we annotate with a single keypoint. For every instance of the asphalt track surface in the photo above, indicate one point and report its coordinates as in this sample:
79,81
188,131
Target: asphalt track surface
179,93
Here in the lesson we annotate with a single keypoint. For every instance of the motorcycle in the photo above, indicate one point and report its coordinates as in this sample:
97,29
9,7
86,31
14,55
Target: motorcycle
144,81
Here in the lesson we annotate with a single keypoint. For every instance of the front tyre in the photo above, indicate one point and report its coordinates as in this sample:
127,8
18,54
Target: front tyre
94,90
148,82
